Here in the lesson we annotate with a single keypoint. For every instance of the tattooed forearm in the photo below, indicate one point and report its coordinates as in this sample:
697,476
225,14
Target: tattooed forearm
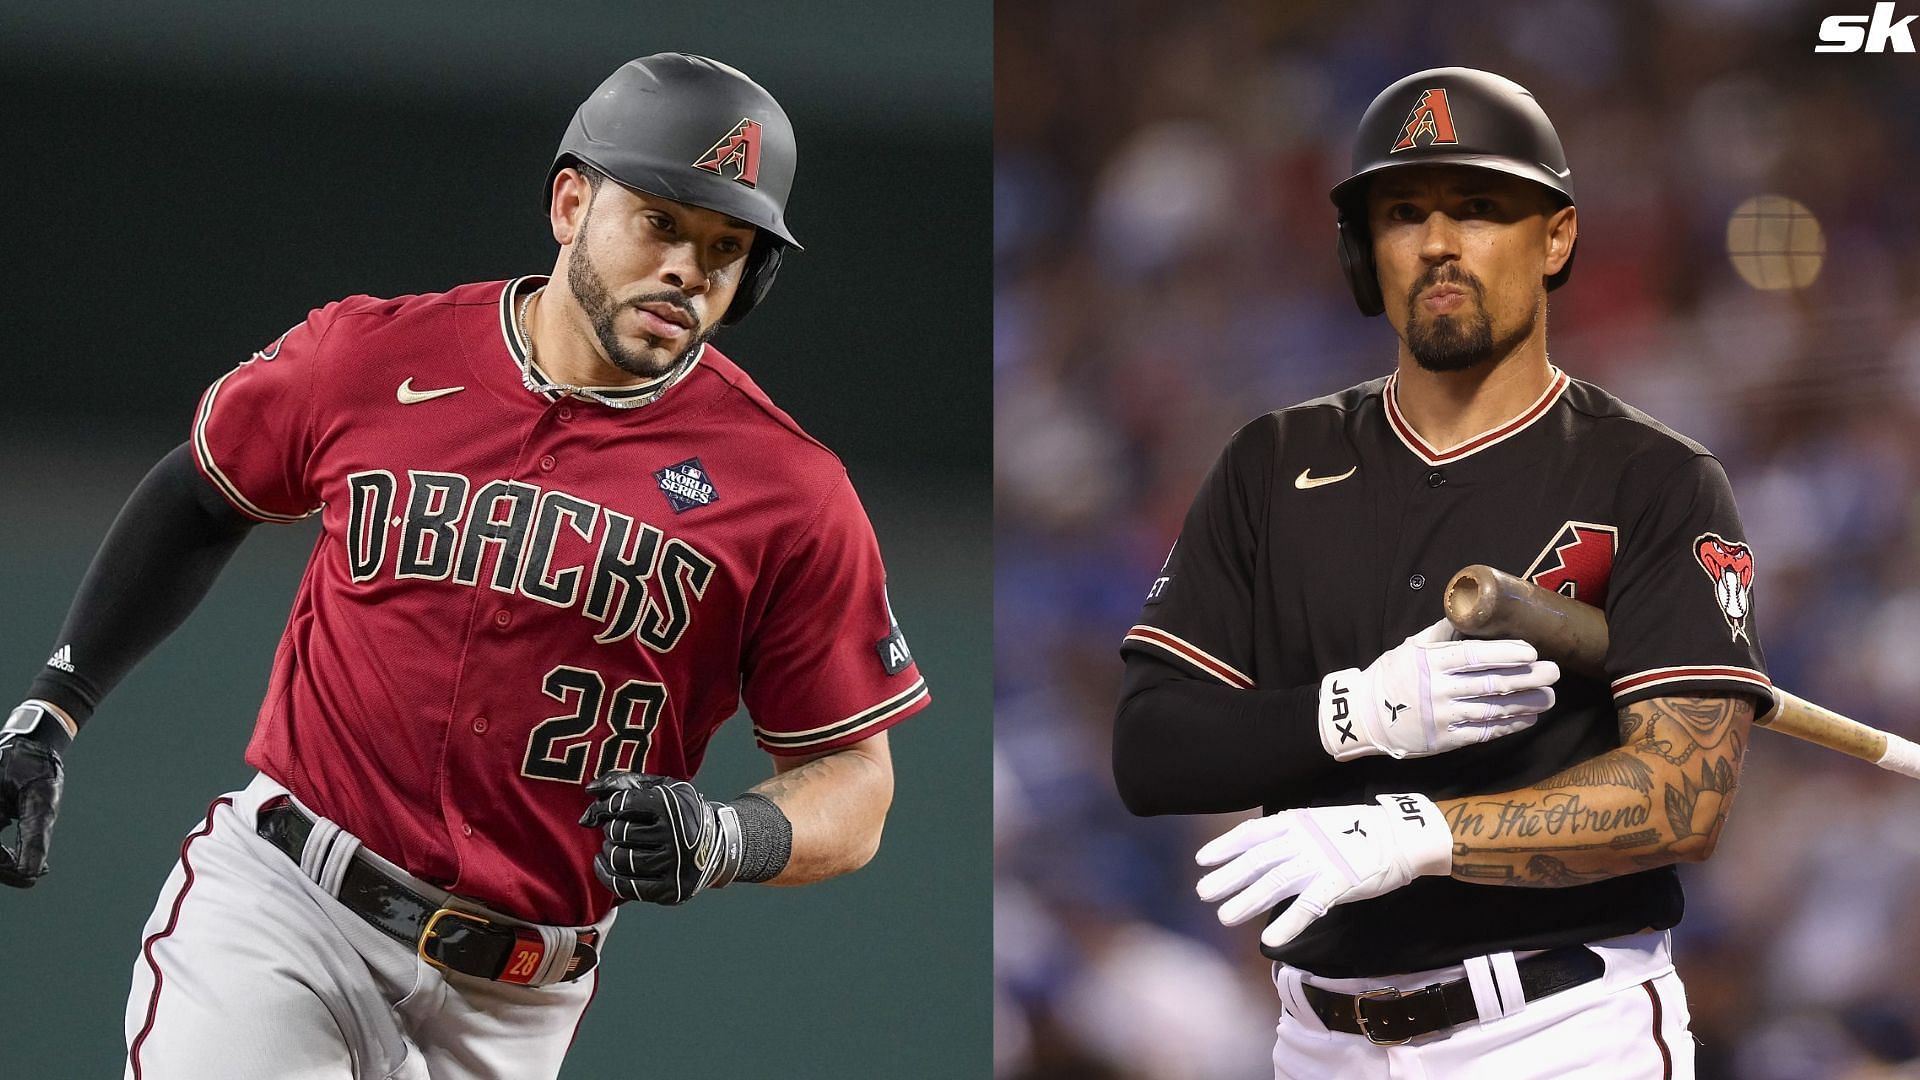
1659,799
782,787
1547,870
1697,809
1544,870
837,805
1552,814
1608,769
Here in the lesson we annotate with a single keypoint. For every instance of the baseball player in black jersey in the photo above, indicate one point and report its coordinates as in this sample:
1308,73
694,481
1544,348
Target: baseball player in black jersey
1463,847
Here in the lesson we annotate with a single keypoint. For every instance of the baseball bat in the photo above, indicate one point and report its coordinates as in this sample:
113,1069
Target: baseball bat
1482,602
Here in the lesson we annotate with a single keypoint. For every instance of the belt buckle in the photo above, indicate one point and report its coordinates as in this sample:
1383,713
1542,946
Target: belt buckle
433,924
1360,1015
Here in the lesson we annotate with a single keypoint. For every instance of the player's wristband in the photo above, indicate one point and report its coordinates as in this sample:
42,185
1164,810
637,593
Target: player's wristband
1342,735
41,721
765,835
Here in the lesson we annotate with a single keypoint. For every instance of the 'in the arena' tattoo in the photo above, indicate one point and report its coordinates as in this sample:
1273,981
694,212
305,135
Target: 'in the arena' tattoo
1603,817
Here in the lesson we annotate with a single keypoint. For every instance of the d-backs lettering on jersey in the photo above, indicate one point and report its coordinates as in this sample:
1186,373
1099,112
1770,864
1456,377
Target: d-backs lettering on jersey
1275,583
638,583
507,600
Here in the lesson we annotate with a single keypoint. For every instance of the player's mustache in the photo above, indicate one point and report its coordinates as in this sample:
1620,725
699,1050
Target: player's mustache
677,299
1446,274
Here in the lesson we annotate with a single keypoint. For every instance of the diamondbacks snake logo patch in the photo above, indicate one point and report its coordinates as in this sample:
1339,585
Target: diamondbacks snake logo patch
1730,564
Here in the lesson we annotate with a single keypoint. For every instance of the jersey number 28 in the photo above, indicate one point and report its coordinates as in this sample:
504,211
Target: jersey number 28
631,714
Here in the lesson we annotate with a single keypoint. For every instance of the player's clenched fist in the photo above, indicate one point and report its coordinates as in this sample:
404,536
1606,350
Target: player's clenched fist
1430,694
1324,856
31,777
664,842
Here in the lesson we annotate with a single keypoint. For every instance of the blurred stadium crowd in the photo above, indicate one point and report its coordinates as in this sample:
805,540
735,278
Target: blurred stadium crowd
1164,271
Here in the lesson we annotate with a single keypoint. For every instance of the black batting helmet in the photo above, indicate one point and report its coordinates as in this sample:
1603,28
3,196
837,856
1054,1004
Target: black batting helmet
1445,116
695,131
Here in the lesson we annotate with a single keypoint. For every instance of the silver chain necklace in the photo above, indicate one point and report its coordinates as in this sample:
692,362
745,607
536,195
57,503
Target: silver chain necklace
521,332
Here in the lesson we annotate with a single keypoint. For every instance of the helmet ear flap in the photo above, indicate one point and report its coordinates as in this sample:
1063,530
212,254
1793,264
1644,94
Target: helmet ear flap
763,262
1356,261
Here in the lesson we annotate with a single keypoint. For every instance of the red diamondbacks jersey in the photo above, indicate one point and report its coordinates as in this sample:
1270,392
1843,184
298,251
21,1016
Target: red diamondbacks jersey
515,591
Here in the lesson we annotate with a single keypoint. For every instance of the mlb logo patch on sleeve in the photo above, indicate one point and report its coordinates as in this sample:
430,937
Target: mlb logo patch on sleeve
686,485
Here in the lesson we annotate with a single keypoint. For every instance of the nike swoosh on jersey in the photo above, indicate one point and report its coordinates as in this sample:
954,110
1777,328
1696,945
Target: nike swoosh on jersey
1305,482
409,396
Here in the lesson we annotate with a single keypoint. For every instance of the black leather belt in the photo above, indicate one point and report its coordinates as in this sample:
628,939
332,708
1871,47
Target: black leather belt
1389,1016
444,937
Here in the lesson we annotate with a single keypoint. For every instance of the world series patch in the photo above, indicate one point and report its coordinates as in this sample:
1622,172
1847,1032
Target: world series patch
686,485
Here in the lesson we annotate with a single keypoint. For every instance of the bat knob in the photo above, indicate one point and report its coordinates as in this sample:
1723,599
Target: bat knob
1469,600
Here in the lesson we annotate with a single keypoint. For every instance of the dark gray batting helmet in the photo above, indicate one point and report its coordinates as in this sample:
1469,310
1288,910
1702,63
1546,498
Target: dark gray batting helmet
695,131
1445,116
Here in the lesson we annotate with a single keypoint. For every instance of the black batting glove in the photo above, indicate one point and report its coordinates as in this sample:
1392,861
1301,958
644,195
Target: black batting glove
664,841
31,778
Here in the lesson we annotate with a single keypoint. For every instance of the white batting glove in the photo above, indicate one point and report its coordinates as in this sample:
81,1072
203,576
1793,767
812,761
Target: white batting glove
1432,693
1324,855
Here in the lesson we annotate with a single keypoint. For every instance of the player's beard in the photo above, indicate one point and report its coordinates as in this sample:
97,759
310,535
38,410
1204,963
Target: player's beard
1455,342
590,292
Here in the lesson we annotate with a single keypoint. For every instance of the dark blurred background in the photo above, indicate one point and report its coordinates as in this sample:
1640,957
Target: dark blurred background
1164,271
184,181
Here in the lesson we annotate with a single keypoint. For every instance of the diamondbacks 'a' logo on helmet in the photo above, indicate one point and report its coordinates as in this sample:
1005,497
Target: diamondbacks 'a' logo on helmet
1431,118
1730,564
1578,562
737,155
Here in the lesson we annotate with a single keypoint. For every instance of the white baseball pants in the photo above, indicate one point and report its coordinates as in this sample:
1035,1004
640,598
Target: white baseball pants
248,969
1630,1024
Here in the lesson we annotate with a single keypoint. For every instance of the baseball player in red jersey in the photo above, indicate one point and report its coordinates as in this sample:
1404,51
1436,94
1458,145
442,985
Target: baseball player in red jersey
562,539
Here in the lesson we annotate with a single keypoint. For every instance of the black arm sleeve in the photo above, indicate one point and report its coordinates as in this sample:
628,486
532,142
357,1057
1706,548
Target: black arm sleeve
1183,745
172,538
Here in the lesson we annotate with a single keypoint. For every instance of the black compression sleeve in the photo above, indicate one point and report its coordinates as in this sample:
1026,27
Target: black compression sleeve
1185,746
172,538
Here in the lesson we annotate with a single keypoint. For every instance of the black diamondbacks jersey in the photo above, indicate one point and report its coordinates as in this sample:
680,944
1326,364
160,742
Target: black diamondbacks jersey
1326,534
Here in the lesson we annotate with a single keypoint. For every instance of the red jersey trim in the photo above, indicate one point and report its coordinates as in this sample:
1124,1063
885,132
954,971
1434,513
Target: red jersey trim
203,456
1194,655
1627,684
869,719
1413,442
